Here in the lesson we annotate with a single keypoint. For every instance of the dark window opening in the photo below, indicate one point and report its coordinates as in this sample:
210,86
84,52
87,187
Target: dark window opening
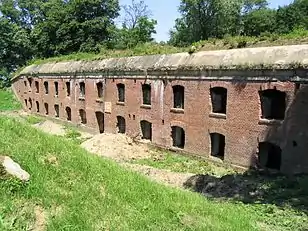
82,89
68,88
30,80
178,137
146,92
46,87
37,106
26,102
100,121
178,96
269,155
121,125
30,104
146,129
218,143
219,99
83,116
56,88
68,113
56,110
121,92
37,87
294,143
100,89
25,83
46,108
273,104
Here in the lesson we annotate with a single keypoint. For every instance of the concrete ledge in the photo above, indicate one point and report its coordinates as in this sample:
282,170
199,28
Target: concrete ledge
264,58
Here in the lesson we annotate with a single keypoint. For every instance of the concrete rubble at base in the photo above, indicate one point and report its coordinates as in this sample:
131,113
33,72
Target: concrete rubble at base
9,167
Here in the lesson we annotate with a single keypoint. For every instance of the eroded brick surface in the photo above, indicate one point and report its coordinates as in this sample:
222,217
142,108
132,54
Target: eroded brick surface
242,125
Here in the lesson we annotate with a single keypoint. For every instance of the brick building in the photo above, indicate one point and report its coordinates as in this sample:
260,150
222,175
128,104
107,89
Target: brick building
245,107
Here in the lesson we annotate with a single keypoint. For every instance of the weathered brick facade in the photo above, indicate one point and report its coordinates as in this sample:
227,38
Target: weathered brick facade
241,128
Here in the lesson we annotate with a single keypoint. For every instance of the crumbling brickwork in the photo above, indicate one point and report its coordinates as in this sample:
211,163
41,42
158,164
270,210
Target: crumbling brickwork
223,119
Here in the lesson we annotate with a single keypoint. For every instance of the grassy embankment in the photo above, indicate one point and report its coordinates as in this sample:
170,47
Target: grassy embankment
299,36
8,101
78,191
73,190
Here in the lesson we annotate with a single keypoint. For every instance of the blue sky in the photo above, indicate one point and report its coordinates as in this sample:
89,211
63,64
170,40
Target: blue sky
166,11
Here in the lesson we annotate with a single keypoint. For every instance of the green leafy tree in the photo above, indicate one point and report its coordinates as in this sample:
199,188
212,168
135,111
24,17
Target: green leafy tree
204,19
15,46
292,16
137,26
259,21
61,27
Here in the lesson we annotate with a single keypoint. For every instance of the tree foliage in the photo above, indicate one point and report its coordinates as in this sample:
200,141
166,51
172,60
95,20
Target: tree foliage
204,19
137,27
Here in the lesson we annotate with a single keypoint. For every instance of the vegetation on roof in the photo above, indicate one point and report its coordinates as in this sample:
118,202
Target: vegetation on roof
43,31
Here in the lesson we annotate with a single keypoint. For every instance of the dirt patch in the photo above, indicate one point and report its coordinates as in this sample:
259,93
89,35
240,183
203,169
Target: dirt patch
51,128
159,175
40,219
116,146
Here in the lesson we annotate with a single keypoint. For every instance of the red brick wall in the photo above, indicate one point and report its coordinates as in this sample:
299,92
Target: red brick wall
241,126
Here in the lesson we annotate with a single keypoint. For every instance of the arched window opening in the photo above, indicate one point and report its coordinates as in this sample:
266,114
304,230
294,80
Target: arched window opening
100,121
218,142
46,87
82,89
68,88
178,137
37,87
269,155
146,93
46,108
83,116
146,129
121,92
121,125
178,97
37,106
68,113
219,99
100,90
56,88
273,104
57,113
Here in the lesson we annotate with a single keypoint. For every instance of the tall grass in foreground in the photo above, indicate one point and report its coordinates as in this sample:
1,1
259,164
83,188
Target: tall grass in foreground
79,191
8,100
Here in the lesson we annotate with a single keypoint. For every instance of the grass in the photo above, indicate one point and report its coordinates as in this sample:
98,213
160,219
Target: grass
180,163
8,100
91,193
32,119
298,36
71,189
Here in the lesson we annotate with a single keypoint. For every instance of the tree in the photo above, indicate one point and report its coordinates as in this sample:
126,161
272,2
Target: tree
204,19
291,16
61,27
15,46
137,26
253,5
258,21
134,12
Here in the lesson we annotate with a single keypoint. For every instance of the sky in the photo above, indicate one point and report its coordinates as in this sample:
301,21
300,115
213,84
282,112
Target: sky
166,12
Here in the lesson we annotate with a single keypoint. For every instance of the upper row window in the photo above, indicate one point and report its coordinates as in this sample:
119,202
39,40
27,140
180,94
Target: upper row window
121,92
178,96
219,99
82,89
273,104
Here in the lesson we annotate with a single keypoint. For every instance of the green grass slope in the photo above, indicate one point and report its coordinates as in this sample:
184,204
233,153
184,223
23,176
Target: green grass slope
79,191
8,100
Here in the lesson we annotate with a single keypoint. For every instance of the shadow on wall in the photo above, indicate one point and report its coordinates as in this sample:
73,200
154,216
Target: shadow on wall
290,139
